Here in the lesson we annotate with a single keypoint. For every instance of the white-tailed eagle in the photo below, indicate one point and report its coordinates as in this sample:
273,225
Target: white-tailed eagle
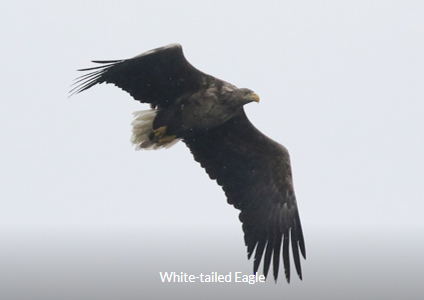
207,114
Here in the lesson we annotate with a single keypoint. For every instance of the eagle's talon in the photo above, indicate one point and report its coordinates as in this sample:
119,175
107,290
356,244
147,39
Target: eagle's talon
160,132
165,140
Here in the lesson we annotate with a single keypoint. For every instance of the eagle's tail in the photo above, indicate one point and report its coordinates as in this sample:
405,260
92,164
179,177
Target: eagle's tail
144,137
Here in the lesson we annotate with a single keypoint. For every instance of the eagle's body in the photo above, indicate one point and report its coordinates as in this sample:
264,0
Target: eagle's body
207,114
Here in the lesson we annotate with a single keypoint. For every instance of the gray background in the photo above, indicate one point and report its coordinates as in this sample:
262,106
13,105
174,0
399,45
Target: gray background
85,216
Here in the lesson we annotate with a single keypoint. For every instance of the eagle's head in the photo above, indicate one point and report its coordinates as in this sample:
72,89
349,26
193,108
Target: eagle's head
245,96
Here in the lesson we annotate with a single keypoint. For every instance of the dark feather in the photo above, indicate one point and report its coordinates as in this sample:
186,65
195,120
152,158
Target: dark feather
255,174
295,249
158,76
286,255
258,255
276,261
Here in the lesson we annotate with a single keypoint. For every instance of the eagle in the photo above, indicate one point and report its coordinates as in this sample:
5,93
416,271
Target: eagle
207,114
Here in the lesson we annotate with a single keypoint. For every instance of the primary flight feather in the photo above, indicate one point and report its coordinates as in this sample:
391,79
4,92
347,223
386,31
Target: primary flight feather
207,114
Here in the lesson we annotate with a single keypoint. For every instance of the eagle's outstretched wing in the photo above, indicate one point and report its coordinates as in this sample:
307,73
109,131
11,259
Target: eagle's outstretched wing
158,76
255,173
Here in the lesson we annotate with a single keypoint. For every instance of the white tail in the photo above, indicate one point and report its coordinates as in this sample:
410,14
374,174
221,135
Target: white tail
143,128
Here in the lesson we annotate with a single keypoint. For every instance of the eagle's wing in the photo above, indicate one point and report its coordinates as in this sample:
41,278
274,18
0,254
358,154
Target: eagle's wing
255,173
157,76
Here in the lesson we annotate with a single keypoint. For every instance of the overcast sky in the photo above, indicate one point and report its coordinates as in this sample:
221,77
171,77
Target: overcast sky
341,86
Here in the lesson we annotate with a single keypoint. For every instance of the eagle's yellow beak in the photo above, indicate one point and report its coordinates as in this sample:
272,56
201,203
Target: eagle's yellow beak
255,97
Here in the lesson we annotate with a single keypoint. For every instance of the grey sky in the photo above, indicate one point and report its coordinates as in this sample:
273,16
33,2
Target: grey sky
341,86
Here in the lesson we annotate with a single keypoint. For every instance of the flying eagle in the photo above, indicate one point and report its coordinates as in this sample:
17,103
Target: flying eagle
207,114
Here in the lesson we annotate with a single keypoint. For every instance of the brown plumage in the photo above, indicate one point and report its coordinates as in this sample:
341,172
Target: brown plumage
207,114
